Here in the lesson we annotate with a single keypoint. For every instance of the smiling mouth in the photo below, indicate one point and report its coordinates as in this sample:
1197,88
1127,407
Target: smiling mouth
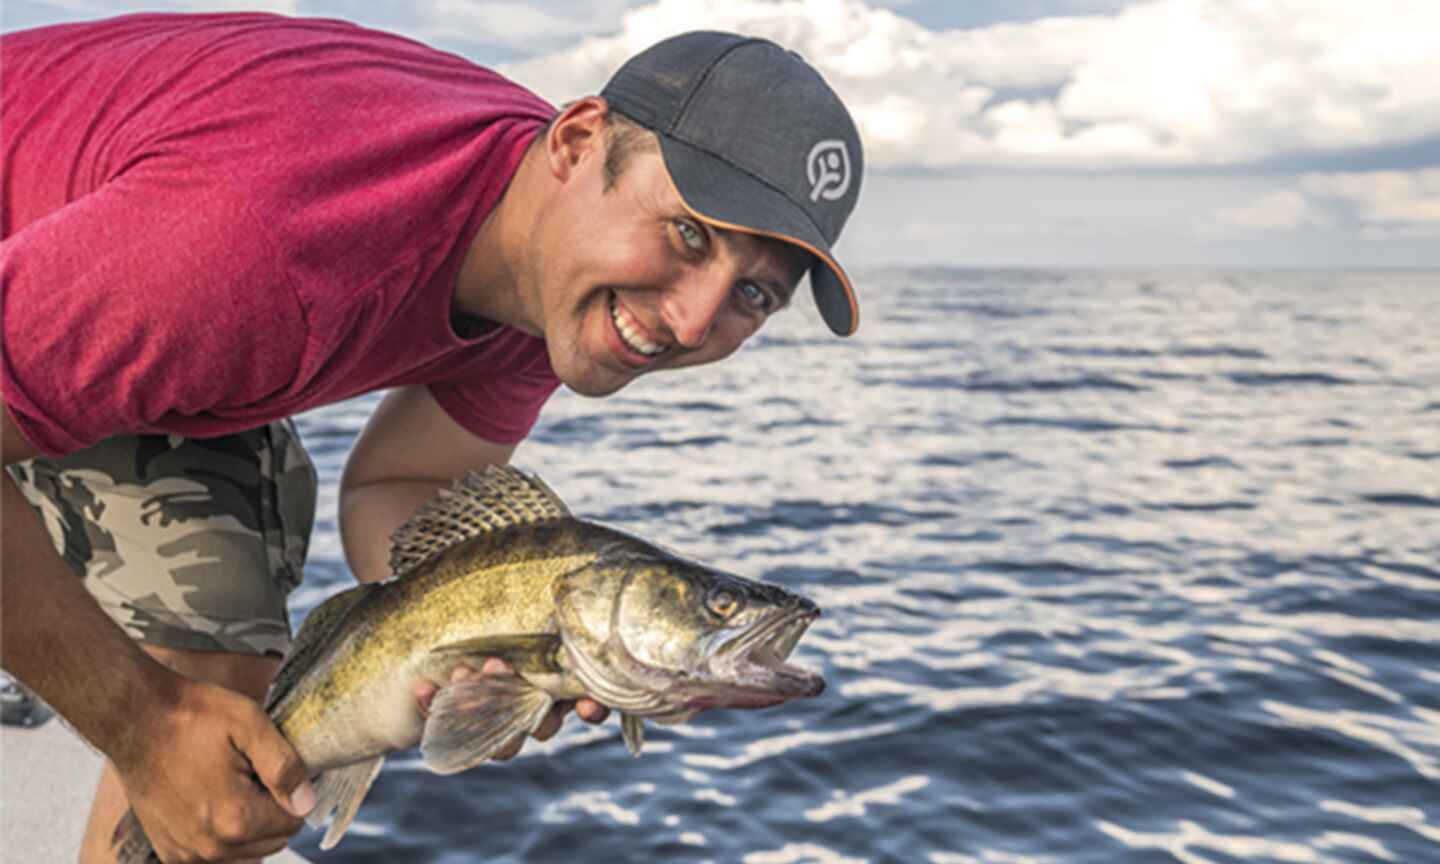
630,333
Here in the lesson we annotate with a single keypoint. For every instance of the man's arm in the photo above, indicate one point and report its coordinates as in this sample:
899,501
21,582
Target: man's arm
409,450
184,749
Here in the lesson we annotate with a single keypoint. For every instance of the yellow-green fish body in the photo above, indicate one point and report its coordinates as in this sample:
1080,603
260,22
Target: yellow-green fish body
358,697
497,567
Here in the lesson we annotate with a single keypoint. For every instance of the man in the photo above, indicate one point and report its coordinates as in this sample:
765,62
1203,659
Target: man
214,222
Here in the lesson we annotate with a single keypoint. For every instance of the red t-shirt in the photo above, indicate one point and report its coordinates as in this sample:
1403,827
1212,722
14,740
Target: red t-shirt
214,221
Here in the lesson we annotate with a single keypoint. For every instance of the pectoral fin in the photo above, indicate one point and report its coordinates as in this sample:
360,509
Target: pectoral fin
633,728
472,719
527,653
340,790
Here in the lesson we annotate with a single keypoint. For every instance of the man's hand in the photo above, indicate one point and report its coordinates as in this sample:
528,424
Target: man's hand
589,710
191,777
184,750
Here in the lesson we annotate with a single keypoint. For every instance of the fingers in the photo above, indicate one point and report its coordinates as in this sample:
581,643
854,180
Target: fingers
255,831
214,778
245,823
277,766
425,690
551,724
496,666
509,751
425,694
591,711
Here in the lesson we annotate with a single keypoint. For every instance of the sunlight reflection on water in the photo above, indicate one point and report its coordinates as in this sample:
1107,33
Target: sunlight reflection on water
1114,568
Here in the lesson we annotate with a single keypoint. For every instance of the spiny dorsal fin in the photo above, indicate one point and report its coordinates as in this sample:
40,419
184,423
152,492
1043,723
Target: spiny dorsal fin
491,500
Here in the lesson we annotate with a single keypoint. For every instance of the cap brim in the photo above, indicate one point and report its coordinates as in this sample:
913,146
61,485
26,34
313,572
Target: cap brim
729,198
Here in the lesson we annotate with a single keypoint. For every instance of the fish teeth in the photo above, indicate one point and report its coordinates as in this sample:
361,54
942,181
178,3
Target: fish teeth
630,332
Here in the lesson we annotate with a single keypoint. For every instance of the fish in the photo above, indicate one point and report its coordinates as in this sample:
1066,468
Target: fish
497,566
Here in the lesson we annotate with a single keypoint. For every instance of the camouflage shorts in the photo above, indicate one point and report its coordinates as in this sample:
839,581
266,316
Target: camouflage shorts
187,543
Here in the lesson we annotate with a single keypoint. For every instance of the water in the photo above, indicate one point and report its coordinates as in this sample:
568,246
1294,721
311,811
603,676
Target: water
1115,568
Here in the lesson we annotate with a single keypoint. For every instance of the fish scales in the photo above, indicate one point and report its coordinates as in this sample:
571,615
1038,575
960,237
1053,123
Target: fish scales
496,566
509,577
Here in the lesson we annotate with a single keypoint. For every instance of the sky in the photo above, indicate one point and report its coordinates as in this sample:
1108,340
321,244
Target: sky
1194,134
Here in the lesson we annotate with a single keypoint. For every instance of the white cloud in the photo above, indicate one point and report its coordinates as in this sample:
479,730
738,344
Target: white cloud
1378,203
1282,210
902,82
1168,82
1402,202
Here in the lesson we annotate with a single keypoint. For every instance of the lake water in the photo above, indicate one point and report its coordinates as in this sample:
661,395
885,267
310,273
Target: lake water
1114,568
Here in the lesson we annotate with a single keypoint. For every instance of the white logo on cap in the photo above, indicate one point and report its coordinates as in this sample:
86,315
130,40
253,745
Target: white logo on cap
828,168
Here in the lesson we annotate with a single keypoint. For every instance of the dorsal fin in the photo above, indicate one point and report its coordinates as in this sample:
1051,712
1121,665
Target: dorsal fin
482,501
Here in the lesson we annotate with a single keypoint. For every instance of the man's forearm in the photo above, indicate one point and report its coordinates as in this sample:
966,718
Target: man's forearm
410,448
56,639
370,513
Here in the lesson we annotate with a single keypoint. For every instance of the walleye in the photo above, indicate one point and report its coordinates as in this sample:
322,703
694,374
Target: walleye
496,566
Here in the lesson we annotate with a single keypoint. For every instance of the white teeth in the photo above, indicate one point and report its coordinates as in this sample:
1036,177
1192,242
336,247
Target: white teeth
630,334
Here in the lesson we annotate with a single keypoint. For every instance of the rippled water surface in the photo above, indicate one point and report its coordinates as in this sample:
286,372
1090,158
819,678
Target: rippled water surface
1114,568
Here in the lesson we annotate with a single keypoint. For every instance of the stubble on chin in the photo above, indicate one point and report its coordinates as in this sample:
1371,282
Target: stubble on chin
582,375
597,383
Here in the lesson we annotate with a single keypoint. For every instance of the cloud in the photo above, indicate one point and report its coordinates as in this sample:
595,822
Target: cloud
1164,83
1382,202
1274,211
900,80
1377,203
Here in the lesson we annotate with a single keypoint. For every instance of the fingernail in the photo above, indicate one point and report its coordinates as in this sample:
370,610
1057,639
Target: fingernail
302,800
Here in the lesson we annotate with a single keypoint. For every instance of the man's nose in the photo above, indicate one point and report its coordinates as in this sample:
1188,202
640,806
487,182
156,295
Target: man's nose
691,307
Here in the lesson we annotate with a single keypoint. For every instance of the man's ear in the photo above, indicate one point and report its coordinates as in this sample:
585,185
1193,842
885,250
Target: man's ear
576,135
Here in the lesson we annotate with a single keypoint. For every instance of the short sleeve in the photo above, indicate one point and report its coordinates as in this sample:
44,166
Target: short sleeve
155,296
498,395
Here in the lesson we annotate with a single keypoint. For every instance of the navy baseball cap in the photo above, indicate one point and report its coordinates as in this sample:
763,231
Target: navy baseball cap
755,141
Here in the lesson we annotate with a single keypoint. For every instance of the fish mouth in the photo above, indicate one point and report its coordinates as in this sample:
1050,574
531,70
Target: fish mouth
750,669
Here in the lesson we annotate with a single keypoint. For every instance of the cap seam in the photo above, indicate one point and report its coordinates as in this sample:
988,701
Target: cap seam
705,76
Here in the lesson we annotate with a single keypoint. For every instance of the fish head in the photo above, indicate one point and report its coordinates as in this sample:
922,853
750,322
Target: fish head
659,635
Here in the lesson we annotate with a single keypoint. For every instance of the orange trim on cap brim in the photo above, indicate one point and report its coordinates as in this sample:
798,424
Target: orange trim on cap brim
784,238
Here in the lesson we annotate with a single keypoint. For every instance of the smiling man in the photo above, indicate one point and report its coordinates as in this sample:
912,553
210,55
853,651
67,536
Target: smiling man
211,223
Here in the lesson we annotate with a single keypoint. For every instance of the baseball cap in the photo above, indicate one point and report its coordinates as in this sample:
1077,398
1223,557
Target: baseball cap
755,141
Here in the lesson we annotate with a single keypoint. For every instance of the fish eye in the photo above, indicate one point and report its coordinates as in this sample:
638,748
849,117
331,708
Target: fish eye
724,602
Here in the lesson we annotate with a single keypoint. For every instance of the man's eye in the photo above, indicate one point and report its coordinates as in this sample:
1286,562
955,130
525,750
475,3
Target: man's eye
692,237
754,296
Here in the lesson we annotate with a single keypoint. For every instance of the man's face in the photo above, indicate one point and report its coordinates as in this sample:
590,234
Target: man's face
629,282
